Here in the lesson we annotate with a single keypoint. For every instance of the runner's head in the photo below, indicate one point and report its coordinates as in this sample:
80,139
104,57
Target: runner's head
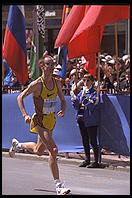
46,63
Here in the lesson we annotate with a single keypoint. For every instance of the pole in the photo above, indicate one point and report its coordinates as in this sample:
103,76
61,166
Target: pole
128,38
35,29
97,101
76,80
98,88
116,54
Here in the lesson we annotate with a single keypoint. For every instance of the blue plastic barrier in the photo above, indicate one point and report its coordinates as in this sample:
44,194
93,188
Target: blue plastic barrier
114,129
114,132
66,133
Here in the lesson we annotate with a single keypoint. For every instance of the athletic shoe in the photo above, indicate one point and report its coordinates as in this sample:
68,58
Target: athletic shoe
94,165
61,190
14,147
84,163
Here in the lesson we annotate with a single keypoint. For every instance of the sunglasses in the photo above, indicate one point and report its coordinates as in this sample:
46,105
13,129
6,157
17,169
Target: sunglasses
51,63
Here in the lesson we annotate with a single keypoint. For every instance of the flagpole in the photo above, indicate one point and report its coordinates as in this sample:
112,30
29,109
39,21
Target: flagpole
128,38
76,79
116,53
35,28
98,88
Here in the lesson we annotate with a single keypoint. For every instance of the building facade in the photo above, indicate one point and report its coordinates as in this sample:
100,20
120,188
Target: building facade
53,15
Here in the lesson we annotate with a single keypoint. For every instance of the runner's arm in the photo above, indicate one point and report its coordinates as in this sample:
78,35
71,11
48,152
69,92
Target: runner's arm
30,89
62,99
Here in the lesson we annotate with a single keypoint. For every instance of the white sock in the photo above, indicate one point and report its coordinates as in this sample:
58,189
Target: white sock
19,146
57,182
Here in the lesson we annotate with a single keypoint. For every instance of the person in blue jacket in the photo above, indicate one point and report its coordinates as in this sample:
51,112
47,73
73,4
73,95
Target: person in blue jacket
85,102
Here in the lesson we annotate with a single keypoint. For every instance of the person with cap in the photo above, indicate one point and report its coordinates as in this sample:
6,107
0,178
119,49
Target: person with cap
108,57
73,76
85,102
77,85
58,67
56,73
125,57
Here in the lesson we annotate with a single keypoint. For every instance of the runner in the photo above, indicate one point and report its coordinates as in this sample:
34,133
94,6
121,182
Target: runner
44,91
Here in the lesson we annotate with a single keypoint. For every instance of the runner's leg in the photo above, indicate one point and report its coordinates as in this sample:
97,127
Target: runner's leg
37,148
46,137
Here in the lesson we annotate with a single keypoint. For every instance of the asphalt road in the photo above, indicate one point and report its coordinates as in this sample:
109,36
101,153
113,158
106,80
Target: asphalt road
33,177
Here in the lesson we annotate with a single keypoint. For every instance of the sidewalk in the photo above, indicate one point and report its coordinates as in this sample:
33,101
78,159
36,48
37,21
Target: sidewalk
108,160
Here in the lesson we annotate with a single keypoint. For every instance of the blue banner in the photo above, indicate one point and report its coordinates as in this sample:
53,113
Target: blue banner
64,62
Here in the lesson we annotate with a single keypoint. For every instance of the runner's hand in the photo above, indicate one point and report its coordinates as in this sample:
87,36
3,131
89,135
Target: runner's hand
27,119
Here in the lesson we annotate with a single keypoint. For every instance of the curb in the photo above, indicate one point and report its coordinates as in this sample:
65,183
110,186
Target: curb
43,158
63,160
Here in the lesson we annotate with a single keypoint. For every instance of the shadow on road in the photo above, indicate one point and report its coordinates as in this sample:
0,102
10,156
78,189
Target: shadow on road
37,189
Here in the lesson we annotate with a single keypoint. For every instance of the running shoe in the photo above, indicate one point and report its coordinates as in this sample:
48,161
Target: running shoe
61,190
14,147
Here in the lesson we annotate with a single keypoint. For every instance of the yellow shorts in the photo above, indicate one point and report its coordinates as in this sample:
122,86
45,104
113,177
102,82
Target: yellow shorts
47,121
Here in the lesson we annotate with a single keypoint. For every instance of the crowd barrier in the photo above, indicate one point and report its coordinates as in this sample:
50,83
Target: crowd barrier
114,129
113,133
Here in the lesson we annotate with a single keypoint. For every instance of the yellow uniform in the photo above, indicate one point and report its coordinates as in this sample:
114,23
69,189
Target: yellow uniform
44,115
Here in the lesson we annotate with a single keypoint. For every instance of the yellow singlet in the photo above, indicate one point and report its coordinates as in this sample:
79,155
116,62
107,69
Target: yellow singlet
44,115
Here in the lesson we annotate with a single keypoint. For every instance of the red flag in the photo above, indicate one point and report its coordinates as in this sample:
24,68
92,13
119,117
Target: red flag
86,38
93,46
86,43
68,29
90,65
14,48
71,24
63,50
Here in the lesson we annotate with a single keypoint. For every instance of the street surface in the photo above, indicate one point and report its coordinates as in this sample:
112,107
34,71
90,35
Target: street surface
33,177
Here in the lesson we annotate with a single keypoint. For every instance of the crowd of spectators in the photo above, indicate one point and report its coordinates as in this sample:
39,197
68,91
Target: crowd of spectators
109,83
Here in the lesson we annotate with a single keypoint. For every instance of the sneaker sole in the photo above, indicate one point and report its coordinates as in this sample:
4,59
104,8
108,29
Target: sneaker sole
11,153
67,192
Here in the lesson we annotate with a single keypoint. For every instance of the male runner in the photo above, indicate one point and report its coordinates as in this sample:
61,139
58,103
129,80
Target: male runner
44,90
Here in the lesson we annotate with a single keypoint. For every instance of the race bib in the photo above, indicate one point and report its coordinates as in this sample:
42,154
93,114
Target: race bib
49,105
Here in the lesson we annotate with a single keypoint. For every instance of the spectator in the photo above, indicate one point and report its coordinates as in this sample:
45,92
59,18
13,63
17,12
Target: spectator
87,119
28,39
66,86
55,57
81,73
73,76
58,67
15,82
125,83
56,73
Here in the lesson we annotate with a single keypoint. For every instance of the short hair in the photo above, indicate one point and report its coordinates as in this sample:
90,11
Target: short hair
89,76
41,59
